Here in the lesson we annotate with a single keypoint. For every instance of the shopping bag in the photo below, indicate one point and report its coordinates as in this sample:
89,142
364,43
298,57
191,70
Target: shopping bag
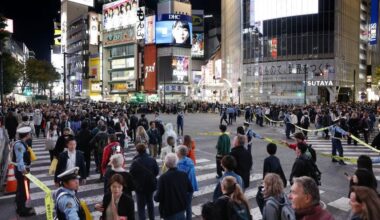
86,210
49,144
33,156
53,166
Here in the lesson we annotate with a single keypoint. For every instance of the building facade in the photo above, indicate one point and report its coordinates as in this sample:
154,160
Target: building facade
293,51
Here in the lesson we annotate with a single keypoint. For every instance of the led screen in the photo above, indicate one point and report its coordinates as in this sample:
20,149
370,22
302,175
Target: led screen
120,14
174,29
197,50
180,67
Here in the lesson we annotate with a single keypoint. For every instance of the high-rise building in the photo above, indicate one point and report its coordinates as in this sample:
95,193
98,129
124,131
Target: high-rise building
294,49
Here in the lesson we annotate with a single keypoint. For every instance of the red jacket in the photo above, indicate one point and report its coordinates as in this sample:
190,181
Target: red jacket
107,152
313,213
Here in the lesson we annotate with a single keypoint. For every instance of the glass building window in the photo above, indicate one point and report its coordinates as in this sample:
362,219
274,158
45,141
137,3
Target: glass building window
127,50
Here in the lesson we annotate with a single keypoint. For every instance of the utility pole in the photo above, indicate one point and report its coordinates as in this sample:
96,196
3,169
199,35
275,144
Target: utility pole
64,78
305,84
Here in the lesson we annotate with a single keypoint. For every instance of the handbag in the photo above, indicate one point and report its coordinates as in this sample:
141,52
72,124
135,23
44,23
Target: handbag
86,210
33,156
53,166
49,144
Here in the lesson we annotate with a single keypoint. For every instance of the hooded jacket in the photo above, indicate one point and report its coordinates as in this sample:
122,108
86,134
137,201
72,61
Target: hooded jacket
169,132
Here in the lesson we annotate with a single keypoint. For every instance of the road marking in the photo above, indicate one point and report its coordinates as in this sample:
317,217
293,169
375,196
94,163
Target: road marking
342,204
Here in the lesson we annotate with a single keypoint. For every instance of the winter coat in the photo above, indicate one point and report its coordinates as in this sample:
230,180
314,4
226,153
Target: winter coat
243,163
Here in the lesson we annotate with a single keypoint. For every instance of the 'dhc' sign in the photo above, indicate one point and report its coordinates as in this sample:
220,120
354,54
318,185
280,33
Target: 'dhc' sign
140,25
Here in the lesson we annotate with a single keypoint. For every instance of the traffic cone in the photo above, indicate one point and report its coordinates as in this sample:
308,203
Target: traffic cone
11,186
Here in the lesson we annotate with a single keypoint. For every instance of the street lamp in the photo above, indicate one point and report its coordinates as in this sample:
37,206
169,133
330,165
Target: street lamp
239,88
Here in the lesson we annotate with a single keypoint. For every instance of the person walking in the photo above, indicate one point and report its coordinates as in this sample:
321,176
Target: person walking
301,166
83,139
174,188
98,143
153,139
11,124
37,118
61,142
141,136
144,170
190,144
223,148
243,160
21,157
133,123
116,204
51,139
186,165
143,122
305,123
180,123
113,147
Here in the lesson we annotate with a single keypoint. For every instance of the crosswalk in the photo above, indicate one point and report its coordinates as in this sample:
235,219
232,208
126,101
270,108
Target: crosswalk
92,192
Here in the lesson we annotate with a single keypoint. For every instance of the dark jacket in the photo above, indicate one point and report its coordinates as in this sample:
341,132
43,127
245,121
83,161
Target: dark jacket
128,181
173,187
272,165
224,208
79,162
153,136
143,122
83,139
133,121
243,163
59,145
376,142
126,206
300,168
144,170
11,125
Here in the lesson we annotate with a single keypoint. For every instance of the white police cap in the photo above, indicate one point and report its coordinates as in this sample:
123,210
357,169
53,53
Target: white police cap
69,174
24,130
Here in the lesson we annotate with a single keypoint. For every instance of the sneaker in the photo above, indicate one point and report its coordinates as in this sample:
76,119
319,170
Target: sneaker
26,212
341,162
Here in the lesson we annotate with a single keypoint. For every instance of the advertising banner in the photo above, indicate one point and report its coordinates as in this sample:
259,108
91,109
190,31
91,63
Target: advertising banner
175,89
95,87
150,30
174,29
119,37
84,2
197,50
94,29
273,47
78,86
122,87
94,66
120,14
150,79
218,69
180,67
140,24
197,77
373,26
198,20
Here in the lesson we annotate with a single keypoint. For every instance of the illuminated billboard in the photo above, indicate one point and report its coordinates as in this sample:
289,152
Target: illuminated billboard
197,49
261,10
84,2
373,26
150,30
94,66
174,29
150,74
140,24
180,67
120,14
93,29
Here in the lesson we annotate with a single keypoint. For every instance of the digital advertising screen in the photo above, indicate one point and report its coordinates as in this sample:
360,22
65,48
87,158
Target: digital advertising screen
180,67
174,29
120,14
150,30
197,49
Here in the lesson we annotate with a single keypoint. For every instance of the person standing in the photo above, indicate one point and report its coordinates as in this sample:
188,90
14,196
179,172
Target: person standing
223,148
180,123
223,116
288,124
301,166
144,170
186,165
70,159
190,144
37,118
21,157
305,123
11,124
67,204
272,164
153,139
337,134
243,160
353,128
173,191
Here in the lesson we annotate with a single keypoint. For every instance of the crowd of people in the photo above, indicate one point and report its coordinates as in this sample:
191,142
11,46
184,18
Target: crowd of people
102,132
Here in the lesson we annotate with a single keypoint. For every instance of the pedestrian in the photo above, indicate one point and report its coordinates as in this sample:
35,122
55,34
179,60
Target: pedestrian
51,139
337,134
141,136
288,125
144,170
61,142
272,164
174,188
276,202
169,148
169,131
190,144
83,139
67,203
223,116
121,129
133,123
305,123
365,162
70,159
223,148
300,138
143,122
4,143
11,124
365,204
98,143
186,165
365,126
113,147
116,204
27,123
180,123
243,160
210,211
326,122
161,131
153,139
362,177
37,118
21,157
75,124
232,204
116,163
64,123
305,198
302,165
229,165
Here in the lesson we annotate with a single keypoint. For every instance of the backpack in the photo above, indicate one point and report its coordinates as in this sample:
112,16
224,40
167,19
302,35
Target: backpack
285,210
314,172
238,211
312,153
306,122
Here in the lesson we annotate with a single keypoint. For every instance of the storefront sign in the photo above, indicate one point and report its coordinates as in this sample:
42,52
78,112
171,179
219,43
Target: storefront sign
123,87
320,83
140,24
95,87
119,37
175,88
94,66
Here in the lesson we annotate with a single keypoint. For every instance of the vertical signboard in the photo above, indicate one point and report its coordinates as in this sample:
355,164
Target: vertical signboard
150,79
94,28
94,66
374,22
150,30
140,24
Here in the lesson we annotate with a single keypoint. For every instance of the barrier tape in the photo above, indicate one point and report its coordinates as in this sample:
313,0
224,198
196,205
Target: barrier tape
212,133
303,129
48,199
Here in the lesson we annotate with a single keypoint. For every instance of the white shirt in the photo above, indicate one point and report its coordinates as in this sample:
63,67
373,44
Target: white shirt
71,160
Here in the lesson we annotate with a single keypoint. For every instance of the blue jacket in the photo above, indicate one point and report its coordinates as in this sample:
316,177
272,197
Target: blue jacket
187,165
218,190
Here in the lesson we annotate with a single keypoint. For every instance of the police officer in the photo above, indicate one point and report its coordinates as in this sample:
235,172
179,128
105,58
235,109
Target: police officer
337,134
250,135
67,204
21,158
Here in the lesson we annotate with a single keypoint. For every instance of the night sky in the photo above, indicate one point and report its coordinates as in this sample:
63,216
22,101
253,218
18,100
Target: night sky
33,20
